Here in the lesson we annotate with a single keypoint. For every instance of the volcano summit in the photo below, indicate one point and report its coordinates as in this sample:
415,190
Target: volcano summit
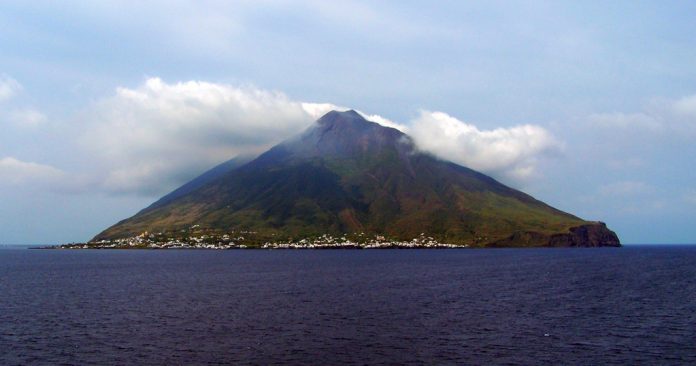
347,175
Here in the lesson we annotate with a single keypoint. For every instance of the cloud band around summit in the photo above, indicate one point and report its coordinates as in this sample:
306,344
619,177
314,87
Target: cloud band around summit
151,138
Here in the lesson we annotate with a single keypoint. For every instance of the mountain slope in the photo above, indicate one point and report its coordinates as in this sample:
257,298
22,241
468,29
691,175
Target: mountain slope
203,179
346,174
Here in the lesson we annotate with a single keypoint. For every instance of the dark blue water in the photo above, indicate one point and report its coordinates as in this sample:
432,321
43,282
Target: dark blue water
634,305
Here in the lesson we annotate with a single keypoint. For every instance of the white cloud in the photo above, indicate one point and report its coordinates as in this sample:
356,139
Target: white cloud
625,188
512,152
624,120
152,138
26,117
156,136
660,115
385,122
685,106
9,87
316,110
17,172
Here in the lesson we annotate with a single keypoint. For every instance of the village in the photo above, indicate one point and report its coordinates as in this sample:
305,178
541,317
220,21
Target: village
197,238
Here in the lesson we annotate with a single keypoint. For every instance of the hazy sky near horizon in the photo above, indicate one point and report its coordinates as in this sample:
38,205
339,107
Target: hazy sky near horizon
107,105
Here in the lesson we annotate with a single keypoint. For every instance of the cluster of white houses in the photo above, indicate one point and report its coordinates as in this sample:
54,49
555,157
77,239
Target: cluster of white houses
226,241
378,242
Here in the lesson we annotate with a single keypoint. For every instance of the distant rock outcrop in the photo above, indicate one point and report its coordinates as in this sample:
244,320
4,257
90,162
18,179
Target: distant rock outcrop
588,235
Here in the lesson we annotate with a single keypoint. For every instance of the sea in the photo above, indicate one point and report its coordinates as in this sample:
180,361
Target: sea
634,305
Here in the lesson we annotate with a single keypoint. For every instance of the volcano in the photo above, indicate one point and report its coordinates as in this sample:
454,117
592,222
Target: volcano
345,174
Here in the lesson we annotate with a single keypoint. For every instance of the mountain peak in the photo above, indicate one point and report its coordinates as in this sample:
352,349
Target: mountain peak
346,134
335,116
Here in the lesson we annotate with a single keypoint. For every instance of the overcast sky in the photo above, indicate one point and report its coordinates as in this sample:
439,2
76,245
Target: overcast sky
106,106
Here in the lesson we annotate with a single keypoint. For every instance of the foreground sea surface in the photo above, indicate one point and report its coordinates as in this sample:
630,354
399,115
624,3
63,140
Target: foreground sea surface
631,305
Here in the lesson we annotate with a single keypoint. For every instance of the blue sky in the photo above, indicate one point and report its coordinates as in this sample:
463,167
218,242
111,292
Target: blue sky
105,106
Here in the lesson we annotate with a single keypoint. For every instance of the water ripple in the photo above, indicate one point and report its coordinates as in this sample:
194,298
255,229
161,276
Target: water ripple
508,307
